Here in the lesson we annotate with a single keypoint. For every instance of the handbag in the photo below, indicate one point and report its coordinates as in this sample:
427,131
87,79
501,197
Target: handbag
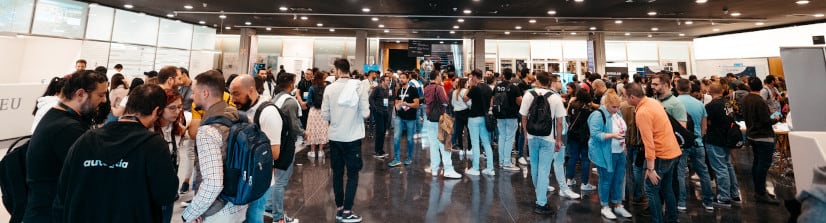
445,128
490,122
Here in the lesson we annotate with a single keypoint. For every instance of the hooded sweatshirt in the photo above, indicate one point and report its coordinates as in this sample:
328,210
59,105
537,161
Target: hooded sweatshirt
118,173
44,104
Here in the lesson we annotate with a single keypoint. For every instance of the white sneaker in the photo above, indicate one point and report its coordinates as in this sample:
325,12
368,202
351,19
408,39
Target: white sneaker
489,172
523,161
622,212
511,168
469,153
551,189
311,154
320,153
452,175
569,194
472,172
682,209
461,153
587,187
607,213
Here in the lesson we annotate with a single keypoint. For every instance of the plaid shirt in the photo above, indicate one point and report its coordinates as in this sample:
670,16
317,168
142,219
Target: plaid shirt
210,142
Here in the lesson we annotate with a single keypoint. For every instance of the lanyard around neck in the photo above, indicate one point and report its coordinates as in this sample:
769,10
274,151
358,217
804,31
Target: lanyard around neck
68,109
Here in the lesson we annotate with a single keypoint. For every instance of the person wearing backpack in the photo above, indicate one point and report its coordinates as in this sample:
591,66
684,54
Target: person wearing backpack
542,111
607,152
506,100
60,127
121,172
207,206
436,98
578,134
661,84
291,110
697,153
718,142
247,100
480,93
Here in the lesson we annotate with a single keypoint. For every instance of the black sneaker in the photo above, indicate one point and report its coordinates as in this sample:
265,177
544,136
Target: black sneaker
350,217
543,210
339,215
184,188
725,204
766,199
736,200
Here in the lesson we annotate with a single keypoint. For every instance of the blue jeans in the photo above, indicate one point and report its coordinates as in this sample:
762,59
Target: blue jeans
763,152
276,198
637,188
410,127
611,184
520,141
559,166
419,117
720,159
506,127
438,154
476,126
578,151
698,163
542,151
664,190
255,210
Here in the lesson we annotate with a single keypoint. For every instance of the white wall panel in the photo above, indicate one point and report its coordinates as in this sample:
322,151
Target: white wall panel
574,49
175,34
100,23
45,58
135,28
764,43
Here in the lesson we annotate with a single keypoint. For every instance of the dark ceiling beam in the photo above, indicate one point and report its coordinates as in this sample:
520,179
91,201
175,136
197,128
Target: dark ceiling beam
447,30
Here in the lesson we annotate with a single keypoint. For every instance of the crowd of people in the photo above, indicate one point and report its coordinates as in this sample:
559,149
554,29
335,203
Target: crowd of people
99,140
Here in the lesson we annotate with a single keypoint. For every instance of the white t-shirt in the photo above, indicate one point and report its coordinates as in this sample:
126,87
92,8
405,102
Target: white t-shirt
618,145
459,103
270,121
557,109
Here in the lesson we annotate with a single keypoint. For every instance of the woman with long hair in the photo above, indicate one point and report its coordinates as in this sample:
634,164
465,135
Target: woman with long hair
46,102
117,90
461,110
578,111
316,132
170,126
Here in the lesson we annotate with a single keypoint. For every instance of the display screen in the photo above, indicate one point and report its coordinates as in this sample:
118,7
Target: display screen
60,18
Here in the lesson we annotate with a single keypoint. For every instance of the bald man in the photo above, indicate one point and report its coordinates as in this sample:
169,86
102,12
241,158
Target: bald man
599,90
247,99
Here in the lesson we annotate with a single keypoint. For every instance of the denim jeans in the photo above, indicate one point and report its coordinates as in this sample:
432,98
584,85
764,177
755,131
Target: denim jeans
380,131
345,155
578,151
276,201
410,127
520,141
636,186
611,184
476,127
459,126
698,163
255,209
542,151
507,129
763,152
239,216
720,158
663,191
438,154
559,166
419,117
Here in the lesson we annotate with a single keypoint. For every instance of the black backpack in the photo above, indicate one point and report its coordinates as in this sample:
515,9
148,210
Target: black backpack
685,137
578,129
288,138
13,179
502,104
540,120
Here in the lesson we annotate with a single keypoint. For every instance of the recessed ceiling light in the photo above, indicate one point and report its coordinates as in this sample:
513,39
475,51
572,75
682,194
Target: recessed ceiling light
247,23
579,0
593,28
467,11
201,22
269,29
461,20
517,27
802,2
222,16
375,19
652,13
552,12
129,6
452,32
170,15
227,27
701,1
715,30
682,34
282,8
735,14
759,23
689,22
649,35
303,17
441,42
617,21
627,34
573,33
319,24
332,30
381,25
532,21
655,29
386,31
507,33
455,27
365,9
819,15
188,6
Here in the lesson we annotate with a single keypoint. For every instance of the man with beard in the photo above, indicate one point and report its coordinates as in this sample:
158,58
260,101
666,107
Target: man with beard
246,99
83,92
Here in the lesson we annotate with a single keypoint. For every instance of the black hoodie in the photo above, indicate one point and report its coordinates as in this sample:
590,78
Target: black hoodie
118,173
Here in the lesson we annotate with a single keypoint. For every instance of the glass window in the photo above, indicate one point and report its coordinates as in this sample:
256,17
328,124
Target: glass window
135,59
175,34
96,53
203,38
135,28
16,15
60,18
100,23
171,57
